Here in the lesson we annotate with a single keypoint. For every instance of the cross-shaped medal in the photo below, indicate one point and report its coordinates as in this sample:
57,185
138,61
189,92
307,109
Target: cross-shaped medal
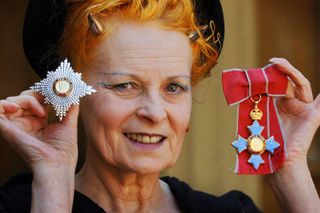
256,144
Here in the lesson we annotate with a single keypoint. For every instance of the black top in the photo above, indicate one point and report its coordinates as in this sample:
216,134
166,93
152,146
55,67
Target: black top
15,196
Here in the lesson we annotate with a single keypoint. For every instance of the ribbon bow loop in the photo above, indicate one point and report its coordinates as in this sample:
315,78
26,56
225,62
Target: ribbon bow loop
240,84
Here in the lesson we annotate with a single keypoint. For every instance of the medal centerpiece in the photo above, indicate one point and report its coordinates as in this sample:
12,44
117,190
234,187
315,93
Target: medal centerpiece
256,144
62,88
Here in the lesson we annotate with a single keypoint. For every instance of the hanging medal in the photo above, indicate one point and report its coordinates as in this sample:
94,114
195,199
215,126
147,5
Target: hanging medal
256,144
260,144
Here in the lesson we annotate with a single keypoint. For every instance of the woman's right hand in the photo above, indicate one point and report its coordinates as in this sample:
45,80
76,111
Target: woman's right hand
24,124
49,149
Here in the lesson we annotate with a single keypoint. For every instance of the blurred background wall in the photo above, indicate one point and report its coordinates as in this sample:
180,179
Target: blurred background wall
255,32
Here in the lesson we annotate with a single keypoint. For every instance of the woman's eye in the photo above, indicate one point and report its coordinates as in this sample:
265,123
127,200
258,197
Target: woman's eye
124,86
173,87
126,89
176,88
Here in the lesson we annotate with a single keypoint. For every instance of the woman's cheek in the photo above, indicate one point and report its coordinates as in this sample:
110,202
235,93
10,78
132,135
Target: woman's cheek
183,114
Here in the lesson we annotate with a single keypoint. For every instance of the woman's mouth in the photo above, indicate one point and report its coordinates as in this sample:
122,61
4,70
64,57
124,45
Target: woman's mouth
144,138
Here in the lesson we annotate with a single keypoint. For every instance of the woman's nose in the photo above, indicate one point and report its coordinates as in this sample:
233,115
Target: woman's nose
152,108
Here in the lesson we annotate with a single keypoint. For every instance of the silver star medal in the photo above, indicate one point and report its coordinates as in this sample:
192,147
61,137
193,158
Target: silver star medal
256,144
62,88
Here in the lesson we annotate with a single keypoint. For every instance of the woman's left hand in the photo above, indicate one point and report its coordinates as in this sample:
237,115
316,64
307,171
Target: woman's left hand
299,112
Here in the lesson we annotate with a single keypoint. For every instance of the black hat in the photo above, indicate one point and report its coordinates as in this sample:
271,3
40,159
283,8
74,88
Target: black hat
207,11
44,21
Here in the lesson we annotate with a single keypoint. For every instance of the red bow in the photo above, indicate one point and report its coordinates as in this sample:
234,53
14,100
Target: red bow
238,86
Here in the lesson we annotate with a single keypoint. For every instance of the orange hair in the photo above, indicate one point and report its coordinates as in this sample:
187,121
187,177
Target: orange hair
77,40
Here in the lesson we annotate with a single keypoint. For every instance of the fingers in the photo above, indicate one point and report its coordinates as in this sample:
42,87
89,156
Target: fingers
302,87
38,96
30,103
25,102
8,107
23,142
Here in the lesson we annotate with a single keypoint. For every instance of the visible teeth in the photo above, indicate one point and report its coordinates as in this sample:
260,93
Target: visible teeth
144,138
139,138
155,139
134,136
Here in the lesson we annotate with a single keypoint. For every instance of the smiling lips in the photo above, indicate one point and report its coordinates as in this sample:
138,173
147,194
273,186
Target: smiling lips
144,138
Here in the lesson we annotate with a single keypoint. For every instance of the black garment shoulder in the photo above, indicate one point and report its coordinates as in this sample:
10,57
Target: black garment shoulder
190,201
15,196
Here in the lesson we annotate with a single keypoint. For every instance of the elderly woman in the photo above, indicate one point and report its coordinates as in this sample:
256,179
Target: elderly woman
142,57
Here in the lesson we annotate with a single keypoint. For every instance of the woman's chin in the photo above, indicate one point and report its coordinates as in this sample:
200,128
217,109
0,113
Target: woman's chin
145,167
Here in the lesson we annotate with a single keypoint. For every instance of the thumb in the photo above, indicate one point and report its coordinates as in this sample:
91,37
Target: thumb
63,135
71,118
317,108
317,103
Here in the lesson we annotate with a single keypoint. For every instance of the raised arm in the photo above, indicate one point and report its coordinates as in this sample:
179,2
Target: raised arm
300,114
50,150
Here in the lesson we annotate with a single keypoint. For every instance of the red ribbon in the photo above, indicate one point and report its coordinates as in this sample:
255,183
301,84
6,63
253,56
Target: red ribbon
238,86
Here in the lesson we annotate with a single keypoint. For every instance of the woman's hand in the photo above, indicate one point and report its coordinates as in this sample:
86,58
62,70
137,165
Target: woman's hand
49,149
300,114
23,123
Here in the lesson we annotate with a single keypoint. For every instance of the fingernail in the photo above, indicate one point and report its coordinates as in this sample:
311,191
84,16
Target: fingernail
16,106
11,104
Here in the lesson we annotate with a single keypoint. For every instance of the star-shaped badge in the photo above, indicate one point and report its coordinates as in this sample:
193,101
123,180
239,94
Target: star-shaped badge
62,88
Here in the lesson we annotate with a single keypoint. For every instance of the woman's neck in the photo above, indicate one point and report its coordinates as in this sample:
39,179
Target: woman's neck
118,191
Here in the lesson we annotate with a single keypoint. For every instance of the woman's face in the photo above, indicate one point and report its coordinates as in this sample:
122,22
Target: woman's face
138,118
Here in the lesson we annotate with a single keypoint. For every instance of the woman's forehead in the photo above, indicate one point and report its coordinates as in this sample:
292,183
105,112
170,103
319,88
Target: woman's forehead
131,36
145,45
